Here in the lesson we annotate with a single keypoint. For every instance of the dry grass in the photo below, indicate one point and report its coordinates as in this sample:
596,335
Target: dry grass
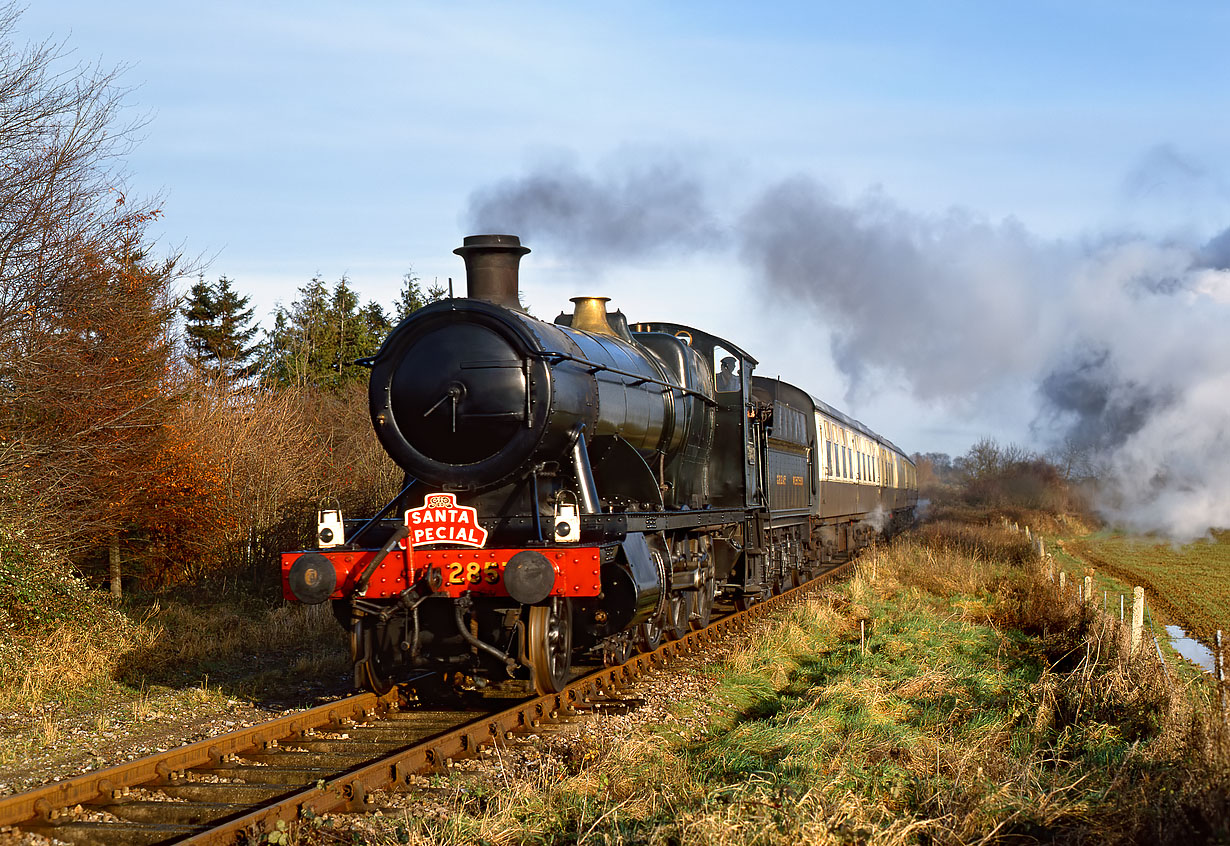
191,635
74,656
246,648
81,660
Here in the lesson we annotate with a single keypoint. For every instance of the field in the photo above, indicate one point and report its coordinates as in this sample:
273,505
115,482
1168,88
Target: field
1188,585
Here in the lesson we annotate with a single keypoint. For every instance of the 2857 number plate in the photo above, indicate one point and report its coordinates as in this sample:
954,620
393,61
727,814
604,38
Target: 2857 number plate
473,573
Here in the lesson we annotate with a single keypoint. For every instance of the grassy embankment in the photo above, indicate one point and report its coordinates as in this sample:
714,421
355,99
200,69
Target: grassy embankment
69,656
981,710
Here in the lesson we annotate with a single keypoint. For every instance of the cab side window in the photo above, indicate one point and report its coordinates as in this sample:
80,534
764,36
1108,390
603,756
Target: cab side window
727,376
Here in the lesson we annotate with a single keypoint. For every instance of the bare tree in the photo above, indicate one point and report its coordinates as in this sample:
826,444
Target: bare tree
1076,459
84,311
983,461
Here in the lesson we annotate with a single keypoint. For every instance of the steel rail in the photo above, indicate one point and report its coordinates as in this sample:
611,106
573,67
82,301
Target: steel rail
40,809
85,789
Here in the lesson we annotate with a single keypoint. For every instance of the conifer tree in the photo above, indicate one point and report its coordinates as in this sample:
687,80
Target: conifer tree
413,297
219,331
316,341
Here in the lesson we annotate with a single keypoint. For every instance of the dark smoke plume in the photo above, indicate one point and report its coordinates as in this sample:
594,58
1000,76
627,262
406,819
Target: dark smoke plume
1103,409
636,209
1121,341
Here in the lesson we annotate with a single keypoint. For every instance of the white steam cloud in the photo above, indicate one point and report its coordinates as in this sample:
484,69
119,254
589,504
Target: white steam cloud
1123,340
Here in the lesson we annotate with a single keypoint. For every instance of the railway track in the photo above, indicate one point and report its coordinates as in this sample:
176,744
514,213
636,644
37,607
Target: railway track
237,787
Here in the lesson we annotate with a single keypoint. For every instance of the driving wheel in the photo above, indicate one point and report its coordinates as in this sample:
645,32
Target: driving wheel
678,609
701,605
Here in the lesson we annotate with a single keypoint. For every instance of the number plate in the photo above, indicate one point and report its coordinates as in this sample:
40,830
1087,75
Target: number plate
474,573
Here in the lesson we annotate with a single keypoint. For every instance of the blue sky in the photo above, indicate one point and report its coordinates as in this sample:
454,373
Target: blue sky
288,139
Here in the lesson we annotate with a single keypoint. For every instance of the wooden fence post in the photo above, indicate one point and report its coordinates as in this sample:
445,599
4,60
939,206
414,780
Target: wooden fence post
1063,582
1089,589
1138,616
1221,675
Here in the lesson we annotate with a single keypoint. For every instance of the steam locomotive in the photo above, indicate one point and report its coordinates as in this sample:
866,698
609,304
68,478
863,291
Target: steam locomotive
581,488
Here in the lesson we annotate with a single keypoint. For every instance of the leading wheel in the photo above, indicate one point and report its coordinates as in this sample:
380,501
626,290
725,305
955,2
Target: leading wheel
373,663
650,633
549,644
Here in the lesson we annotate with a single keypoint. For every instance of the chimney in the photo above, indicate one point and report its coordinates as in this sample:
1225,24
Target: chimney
491,268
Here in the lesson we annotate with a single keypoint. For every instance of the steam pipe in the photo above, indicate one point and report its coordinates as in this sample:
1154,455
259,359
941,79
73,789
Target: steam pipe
401,533
509,662
537,511
585,474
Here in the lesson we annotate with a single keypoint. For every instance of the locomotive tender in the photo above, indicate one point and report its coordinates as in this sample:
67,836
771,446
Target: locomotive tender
581,487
